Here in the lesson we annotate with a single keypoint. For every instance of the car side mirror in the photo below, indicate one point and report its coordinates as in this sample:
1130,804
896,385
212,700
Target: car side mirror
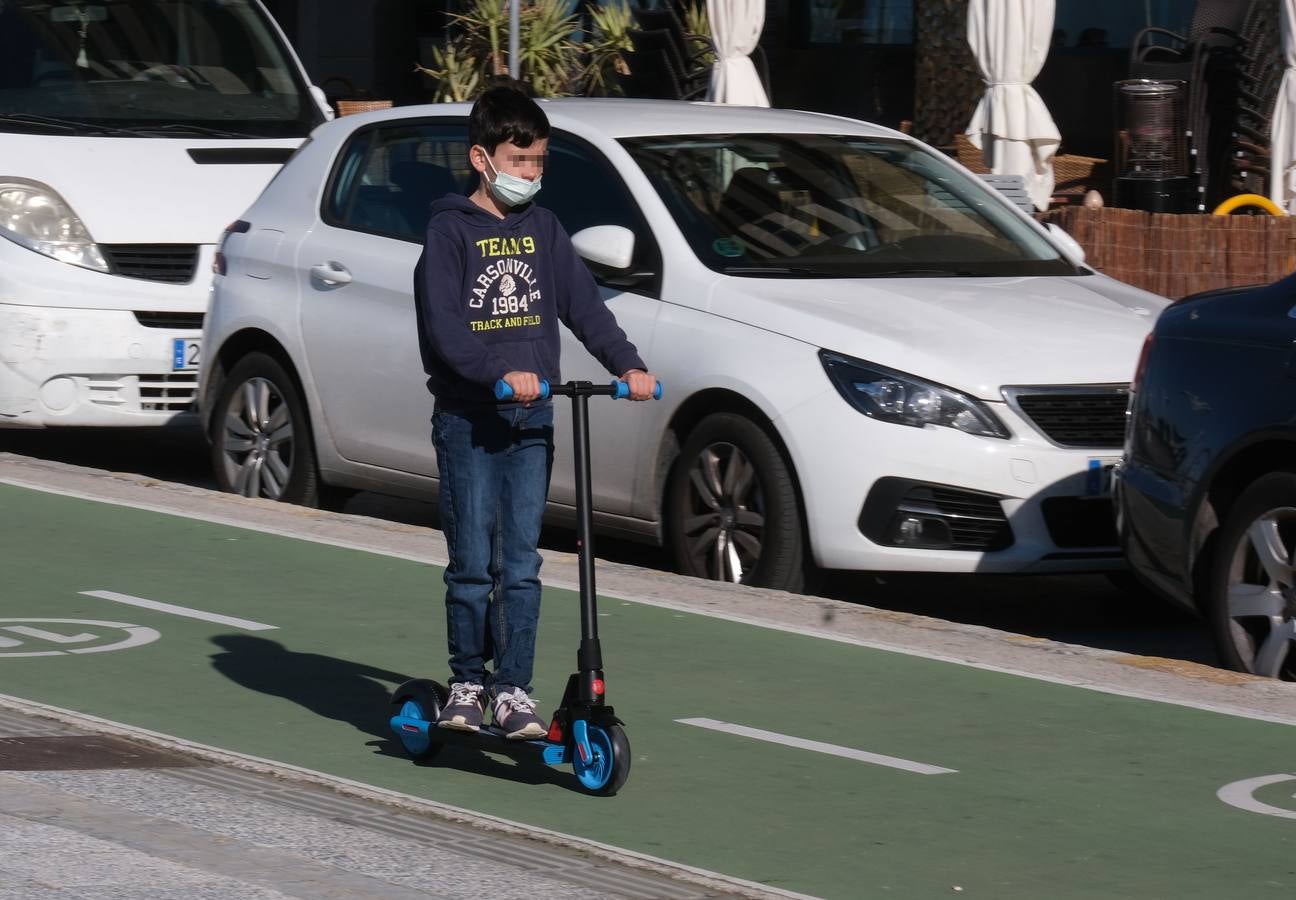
608,250
1070,246
609,246
317,93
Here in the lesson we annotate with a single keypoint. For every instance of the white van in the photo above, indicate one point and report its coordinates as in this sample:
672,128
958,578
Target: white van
131,133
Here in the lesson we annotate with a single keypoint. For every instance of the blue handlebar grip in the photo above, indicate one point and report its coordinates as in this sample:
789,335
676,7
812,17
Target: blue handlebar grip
504,392
621,390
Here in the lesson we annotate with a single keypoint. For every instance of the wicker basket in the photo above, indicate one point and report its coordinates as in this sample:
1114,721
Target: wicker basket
1074,176
351,107
970,155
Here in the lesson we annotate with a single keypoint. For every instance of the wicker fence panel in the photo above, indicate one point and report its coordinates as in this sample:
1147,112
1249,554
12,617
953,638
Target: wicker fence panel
1177,255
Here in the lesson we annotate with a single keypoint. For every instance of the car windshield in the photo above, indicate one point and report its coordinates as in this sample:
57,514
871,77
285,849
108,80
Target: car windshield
809,205
210,68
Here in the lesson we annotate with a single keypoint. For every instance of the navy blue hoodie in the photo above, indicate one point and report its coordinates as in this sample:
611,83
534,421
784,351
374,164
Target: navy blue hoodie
490,293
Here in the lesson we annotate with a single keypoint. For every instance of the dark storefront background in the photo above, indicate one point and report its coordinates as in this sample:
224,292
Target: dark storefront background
848,57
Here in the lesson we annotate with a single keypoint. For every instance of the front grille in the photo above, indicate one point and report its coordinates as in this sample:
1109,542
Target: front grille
180,321
1090,418
169,263
154,393
168,393
1080,521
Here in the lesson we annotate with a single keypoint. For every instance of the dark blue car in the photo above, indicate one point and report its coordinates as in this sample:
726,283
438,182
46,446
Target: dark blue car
1206,494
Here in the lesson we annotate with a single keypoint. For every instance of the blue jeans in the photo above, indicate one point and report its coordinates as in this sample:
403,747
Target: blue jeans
494,469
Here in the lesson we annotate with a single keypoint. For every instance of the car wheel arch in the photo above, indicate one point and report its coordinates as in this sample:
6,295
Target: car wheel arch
1231,476
688,416
239,345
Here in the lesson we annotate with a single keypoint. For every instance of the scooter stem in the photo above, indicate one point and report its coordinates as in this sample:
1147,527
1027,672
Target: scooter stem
589,658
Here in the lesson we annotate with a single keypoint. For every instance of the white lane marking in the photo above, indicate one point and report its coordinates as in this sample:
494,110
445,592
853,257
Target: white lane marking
786,740
245,624
1241,794
304,534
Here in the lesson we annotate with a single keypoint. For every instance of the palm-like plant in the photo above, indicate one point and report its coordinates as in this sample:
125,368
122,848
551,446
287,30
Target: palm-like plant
609,40
550,57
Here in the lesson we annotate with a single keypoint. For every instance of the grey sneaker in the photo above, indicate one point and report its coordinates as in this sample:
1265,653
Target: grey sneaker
514,714
463,711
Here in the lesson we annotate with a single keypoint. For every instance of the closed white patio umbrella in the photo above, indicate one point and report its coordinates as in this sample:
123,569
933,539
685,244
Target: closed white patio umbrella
1282,144
1011,125
736,28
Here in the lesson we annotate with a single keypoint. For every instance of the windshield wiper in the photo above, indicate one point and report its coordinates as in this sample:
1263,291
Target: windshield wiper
187,128
63,124
769,270
930,273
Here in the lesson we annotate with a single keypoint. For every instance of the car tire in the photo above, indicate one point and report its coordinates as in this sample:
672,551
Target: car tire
1250,589
261,436
733,510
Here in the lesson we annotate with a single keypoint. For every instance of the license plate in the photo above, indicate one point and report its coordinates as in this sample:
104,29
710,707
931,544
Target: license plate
186,354
1098,477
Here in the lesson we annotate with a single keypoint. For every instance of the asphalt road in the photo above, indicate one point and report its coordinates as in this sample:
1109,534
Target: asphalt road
1084,610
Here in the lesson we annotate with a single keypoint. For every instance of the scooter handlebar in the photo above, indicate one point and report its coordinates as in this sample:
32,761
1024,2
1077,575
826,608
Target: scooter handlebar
503,391
616,389
621,390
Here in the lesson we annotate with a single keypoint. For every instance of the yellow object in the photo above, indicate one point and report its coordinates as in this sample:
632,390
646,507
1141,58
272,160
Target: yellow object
1240,200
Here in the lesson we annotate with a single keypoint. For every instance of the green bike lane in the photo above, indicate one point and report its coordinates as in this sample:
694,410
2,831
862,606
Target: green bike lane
1055,791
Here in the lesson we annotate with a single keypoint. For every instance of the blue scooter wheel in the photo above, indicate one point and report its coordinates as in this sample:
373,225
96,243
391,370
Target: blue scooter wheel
423,700
610,767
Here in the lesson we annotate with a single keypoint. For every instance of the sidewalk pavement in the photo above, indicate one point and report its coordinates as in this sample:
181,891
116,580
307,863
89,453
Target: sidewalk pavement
90,809
88,815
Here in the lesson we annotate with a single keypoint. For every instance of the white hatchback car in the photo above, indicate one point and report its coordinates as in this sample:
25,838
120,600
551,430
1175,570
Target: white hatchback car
872,360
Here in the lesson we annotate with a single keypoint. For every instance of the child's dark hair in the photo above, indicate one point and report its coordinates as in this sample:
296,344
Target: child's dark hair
505,113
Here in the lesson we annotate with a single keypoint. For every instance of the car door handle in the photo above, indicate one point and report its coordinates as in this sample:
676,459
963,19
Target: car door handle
331,273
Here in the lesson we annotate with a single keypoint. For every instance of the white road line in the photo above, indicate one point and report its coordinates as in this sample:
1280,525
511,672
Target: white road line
245,624
774,737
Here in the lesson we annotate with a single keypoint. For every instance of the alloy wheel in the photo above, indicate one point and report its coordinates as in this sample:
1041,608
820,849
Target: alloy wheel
257,440
725,522
1261,595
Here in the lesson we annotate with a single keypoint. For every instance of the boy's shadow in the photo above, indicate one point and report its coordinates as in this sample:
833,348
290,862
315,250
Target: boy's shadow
333,688
353,693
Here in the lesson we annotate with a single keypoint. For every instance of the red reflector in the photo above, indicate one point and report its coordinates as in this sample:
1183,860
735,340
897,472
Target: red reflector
410,727
555,734
598,686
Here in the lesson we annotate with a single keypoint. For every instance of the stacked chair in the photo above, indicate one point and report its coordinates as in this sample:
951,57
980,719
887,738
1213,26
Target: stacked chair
1209,60
668,61
1259,76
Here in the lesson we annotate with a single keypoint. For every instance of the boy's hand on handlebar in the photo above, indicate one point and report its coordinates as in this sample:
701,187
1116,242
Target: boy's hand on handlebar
525,385
642,384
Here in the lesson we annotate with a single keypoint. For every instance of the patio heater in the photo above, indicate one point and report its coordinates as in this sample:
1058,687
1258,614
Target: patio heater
1152,146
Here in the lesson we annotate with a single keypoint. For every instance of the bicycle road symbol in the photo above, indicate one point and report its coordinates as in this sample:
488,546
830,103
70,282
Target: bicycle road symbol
60,637
1241,794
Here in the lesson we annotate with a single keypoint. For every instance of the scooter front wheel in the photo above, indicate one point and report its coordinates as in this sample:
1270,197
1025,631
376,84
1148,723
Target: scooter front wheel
609,766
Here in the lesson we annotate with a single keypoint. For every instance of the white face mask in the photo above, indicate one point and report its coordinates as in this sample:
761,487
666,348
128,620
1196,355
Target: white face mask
510,189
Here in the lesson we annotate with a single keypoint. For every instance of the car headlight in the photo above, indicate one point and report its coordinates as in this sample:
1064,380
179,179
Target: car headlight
35,216
892,396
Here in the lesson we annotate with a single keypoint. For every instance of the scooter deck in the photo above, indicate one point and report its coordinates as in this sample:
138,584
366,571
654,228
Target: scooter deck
489,740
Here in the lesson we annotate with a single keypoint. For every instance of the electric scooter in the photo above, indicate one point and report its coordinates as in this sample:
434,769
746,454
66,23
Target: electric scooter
584,730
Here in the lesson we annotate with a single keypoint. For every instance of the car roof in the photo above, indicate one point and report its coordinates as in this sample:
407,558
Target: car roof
620,117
